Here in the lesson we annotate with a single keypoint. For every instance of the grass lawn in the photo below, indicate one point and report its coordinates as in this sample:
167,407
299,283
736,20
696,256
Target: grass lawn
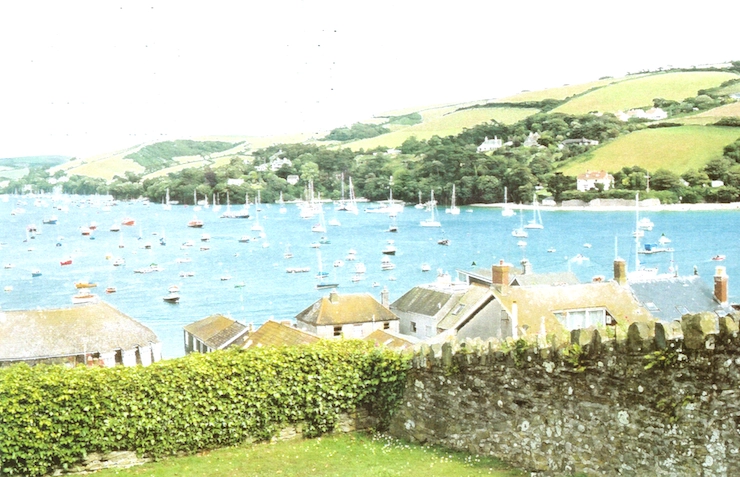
676,149
640,92
356,455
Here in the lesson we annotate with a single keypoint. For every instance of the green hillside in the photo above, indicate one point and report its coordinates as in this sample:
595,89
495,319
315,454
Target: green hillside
677,149
640,92
559,93
443,122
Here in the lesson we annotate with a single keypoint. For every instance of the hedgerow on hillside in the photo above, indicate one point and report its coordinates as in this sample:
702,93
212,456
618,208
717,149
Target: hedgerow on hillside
51,416
160,155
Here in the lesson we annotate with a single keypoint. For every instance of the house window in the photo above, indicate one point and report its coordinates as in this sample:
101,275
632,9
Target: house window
386,325
337,331
581,318
458,308
413,327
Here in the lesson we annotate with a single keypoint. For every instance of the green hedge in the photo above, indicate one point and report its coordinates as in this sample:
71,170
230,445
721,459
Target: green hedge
52,416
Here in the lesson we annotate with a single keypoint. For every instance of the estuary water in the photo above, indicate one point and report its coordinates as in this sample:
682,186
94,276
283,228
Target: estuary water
248,280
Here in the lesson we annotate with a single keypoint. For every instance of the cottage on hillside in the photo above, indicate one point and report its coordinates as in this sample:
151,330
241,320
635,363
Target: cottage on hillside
351,316
95,334
490,144
590,179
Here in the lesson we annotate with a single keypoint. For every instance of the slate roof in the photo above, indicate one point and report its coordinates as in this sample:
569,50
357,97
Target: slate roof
90,328
273,333
428,301
216,331
669,298
533,303
345,309
392,340
469,303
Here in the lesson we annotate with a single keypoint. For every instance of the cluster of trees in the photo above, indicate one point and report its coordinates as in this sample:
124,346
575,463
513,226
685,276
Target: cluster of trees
162,154
356,131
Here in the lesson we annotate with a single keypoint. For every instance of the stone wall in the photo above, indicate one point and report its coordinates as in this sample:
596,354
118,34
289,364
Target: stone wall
664,400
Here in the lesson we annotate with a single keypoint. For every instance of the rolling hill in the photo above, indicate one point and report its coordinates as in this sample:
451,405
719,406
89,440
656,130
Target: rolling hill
677,149
640,92
686,147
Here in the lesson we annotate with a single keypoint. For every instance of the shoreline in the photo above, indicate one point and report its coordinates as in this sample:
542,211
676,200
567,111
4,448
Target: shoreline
619,208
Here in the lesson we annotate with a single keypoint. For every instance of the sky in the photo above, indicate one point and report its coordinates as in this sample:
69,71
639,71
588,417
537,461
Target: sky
79,78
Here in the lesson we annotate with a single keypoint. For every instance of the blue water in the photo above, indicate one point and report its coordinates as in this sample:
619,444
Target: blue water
478,235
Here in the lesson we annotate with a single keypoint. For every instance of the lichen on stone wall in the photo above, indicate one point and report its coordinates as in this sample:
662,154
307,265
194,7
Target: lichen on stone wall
664,399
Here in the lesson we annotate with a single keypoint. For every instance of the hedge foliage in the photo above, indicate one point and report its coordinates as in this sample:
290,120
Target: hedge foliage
52,416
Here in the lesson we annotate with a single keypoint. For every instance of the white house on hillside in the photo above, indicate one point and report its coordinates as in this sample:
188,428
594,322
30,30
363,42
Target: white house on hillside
490,144
589,179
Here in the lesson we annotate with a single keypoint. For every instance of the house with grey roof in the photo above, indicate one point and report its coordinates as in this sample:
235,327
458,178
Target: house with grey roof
212,333
668,297
352,316
94,334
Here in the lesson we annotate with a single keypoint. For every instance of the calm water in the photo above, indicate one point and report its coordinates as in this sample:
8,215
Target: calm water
481,236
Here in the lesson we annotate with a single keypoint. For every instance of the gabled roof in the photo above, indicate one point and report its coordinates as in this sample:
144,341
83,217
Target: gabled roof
345,309
91,328
534,303
392,340
468,304
273,333
216,331
669,298
428,300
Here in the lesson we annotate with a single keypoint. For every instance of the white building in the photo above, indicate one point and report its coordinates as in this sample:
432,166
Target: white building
589,179
490,144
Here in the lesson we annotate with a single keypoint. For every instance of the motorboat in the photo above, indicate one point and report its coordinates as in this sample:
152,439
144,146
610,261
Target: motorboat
172,298
85,285
84,296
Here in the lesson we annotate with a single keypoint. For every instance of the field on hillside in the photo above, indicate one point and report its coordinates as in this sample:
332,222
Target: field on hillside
559,93
677,149
444,124
640,92
712,116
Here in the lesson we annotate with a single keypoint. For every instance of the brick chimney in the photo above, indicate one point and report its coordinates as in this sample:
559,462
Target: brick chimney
720,285
500,275
620,271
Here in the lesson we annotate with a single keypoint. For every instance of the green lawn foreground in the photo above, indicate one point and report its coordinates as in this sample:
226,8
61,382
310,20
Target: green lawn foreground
334,455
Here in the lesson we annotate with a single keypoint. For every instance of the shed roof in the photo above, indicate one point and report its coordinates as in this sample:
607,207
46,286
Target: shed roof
273,333
216,331
89,328
392,340
339,309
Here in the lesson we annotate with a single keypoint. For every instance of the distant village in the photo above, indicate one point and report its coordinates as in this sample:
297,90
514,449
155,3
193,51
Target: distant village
499,302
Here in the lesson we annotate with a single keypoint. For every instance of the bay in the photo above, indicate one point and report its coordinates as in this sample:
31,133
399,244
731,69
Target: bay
478,237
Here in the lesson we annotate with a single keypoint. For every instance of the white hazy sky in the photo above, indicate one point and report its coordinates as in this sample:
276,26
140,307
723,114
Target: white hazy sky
83,77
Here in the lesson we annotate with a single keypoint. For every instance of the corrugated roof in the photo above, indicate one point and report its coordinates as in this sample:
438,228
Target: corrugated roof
216,330
273,333
537,302
345,309
426,301
90,328
391,340
669,298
